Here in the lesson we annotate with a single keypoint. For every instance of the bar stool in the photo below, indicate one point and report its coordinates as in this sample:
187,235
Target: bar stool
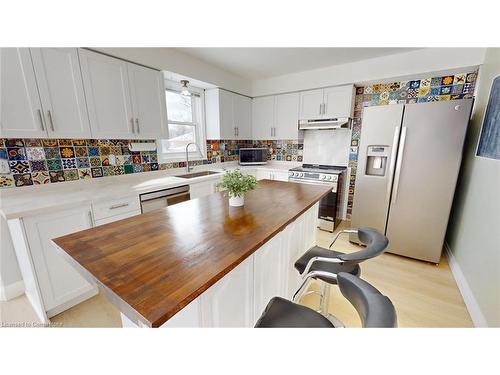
320,263
374,309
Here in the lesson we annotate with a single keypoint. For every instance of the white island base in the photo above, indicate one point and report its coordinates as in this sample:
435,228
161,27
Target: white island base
239,298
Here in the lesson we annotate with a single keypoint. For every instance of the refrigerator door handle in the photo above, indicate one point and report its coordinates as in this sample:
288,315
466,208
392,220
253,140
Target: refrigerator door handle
397,131
398,164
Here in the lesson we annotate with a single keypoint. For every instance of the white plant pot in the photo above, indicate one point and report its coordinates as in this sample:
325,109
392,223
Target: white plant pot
237,201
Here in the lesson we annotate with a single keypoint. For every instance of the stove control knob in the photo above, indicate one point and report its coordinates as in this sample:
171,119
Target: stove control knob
301,174
322,177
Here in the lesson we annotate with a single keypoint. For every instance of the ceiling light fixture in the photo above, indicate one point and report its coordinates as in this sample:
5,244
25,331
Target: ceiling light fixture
184,89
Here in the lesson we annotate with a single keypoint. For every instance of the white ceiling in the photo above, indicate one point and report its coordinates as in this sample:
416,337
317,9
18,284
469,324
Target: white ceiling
258,63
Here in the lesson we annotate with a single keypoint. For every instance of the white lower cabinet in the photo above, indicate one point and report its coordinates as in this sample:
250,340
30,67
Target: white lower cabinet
60,285
269,272
269,174
229,302
202,189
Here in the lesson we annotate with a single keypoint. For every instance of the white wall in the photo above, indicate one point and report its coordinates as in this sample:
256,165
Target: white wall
175,61
411,64
473,232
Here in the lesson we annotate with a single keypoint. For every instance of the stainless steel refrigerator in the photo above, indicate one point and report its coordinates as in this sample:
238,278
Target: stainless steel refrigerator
408,164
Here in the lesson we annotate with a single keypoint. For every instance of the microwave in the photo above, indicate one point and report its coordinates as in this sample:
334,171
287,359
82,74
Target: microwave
253,156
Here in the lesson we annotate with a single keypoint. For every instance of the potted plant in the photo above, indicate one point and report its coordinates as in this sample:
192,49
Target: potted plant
236,184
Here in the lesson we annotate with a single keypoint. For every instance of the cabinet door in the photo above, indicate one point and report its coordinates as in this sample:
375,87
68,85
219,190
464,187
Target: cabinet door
263,117
242,110
229,302
338,101
106,85
226,115
263,174
148,101
61,92
202,189
286,116
269,274
59,282
280,176
311,104
20,107
294,238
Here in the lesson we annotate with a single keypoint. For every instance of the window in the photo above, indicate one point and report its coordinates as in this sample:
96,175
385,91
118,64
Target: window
185,125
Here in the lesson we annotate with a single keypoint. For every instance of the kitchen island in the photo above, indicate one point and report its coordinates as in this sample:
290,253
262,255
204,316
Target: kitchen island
200,263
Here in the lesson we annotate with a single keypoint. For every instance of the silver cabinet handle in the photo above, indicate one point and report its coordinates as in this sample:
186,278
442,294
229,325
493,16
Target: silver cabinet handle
132,124
398,164
49,114
324,108
91,219
40,115
137,125
119,206
397,130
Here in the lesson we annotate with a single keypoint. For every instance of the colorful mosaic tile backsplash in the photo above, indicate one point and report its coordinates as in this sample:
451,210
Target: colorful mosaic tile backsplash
27,162
450,87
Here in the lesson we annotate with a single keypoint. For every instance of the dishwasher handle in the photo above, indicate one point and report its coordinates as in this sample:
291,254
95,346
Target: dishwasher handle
164,193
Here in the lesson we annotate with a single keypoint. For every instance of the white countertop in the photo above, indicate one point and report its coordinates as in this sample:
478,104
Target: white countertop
32,200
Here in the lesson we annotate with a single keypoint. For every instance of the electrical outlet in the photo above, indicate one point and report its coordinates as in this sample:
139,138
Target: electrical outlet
4,166
112,159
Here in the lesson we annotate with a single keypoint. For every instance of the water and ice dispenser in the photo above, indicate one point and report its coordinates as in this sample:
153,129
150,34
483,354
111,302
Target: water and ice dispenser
376,160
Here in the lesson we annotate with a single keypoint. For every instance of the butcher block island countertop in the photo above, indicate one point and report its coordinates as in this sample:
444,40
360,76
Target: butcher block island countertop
152,265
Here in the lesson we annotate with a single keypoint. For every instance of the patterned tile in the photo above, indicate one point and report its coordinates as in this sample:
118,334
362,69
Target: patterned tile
40,178
447,80
38,165
16,153
93,151
145,158
6,180
116,150
96,172
51,152
136,159
436,81
154,166
14,143
84,174
35,153
56,176
414,84
457,89
71,175
138,168
459,79
104,150
19,166
108,171
468,88
435,91
67,152
65,142
129,169
118,170
423,91
83,162
69,163
32,142
445,90
3,153
79,142
23,179
105,161
471,77
49,143
147,167
81,152
95,162
54,164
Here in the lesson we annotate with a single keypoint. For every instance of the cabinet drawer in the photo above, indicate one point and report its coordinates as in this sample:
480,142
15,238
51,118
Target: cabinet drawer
113,218
115,207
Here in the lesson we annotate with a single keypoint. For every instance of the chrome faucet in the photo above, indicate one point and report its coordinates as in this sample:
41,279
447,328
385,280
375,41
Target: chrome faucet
188,168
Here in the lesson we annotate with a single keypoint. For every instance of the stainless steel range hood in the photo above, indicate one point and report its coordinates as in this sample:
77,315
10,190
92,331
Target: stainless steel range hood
329,123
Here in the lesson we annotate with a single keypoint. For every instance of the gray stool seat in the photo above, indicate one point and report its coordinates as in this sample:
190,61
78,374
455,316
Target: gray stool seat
282,313
374,309
334,268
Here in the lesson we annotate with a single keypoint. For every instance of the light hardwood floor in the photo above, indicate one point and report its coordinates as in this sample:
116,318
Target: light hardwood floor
425,295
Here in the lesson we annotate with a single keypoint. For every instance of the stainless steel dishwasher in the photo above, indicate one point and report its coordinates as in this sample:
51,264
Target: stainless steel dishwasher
163,198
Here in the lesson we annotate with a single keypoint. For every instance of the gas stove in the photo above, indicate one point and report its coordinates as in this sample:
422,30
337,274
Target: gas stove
314,173
330,206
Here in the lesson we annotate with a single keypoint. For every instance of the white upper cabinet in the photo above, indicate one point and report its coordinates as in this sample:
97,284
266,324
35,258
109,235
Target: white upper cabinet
228,115
275,117
311,104
242,116
338,101
148,101
286,116
20,106
263,117
61,92
332,102
106,84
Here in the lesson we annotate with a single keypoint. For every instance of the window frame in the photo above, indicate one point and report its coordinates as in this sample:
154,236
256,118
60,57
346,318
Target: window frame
199,123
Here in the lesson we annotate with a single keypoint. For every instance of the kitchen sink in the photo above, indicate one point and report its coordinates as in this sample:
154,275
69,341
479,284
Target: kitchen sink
197,174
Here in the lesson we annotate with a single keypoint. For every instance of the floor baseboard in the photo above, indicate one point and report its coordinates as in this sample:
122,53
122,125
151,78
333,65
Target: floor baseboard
8,292
470,301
